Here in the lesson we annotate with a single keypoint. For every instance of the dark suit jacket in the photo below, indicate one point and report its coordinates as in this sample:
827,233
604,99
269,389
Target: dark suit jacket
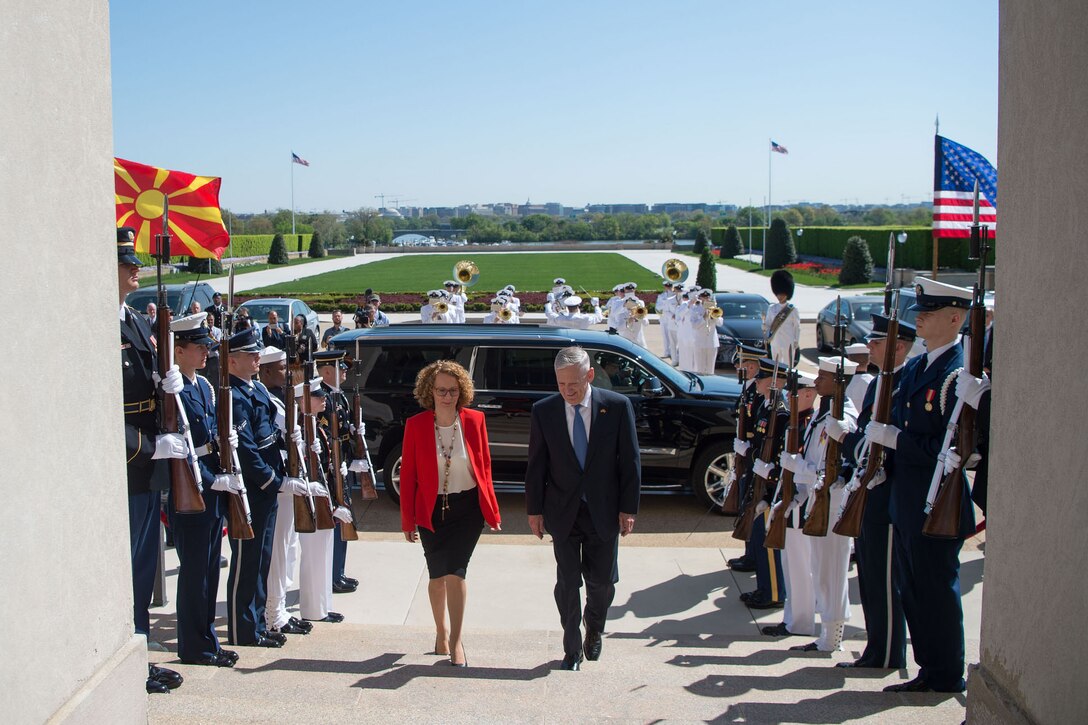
138,362
555,483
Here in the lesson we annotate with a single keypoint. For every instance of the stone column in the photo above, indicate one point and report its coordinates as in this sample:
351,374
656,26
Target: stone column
65,584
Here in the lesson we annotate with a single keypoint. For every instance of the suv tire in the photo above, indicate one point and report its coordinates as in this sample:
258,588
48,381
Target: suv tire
391,475
708,477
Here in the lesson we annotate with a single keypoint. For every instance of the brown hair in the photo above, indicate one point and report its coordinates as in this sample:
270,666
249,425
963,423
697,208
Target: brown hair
424,391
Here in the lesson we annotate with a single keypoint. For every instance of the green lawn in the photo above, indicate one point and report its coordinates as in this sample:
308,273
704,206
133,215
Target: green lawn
527,271
811,280
147,279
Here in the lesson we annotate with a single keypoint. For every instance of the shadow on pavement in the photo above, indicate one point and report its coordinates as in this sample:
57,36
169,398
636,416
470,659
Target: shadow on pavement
834,708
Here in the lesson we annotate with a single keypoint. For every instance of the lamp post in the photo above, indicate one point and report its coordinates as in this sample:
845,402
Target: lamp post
901,238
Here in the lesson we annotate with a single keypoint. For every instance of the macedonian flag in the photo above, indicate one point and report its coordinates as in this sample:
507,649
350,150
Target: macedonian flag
195,221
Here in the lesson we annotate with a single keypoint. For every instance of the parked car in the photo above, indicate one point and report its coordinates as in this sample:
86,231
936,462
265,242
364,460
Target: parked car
286,308
856,315
685,422
178,296
742,322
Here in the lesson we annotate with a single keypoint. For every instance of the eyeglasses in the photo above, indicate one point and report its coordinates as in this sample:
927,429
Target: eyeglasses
446,392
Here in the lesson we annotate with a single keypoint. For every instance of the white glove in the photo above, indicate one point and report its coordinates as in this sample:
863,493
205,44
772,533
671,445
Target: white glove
316,446
172,383
170,445
228,482
359,465
295,486
839,429
791,462
762,468
969,389
232,438
296,435
594,301
761,507
340,513
357,429
805,475
343,469
878,479
838,483
952,460
882,434
741,447
316,489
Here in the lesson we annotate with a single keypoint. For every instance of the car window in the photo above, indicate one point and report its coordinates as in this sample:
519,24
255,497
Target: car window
258,311
519,368
617,372
743,309
395,367
864,310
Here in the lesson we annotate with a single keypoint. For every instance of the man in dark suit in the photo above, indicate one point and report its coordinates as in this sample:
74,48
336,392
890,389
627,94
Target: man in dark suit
582,486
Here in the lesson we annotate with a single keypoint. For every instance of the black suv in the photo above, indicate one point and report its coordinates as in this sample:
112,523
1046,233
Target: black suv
685,422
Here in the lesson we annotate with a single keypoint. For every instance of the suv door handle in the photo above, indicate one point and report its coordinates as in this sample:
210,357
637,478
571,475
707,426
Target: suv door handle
487,406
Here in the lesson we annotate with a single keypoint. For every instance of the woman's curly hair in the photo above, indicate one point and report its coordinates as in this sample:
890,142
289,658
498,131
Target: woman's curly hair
424,390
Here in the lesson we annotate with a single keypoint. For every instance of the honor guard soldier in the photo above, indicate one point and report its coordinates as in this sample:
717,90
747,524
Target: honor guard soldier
198,537
260,446
332,369
928,567
147,478
858,353
770,591
747,359
782,324
885,626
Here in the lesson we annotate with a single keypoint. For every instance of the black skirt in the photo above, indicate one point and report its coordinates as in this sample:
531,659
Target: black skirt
449,547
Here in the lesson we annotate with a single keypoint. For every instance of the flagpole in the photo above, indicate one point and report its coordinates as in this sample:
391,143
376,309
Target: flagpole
766,226
292,195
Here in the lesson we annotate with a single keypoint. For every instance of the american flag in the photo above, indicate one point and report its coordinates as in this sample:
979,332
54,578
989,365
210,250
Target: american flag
298,159
955,171
779,148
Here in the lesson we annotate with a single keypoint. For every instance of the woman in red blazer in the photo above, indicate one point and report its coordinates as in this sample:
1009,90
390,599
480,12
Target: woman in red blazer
446,494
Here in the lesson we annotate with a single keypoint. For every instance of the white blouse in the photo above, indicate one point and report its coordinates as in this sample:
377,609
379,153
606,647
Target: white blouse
461,477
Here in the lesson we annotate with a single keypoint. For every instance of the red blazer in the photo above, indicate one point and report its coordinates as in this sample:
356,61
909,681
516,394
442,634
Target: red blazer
419,469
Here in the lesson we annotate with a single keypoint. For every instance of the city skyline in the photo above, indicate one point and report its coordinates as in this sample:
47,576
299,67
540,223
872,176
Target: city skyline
583,104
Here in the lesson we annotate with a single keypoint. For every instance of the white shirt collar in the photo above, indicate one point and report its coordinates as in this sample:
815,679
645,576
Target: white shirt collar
932,355
585,400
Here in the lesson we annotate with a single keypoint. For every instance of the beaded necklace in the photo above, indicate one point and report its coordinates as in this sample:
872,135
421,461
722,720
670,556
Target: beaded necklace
447,455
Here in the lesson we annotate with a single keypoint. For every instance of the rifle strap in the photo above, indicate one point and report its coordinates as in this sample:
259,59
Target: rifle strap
779,320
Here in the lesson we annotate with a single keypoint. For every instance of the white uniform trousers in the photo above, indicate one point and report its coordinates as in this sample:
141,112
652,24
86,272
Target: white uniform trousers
673,348
315,574
830,565
284,539
703,360
799,613
685,347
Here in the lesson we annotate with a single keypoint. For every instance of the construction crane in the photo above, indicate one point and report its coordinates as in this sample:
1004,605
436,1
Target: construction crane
397,200
382,198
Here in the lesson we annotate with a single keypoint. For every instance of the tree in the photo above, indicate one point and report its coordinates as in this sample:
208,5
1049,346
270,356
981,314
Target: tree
707,276
749,216
317,249
780,249
732,244
857,262
700,242
202,265
879,217
278,253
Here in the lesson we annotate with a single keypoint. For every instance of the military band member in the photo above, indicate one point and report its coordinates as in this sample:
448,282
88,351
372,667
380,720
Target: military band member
431,314
613,305
885,626
628,324
497,316
782,324
573,317
685,333
514,303
557,285
198,537
928,568
457,299
858,353
146,447
704,333
664,305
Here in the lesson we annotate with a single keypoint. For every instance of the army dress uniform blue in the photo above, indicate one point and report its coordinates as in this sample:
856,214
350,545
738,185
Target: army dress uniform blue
259,446
927,567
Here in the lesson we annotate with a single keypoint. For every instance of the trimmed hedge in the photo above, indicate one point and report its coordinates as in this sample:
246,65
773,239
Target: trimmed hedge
829,242
245,245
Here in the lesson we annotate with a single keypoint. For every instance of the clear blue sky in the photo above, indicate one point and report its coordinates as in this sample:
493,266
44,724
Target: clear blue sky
449,103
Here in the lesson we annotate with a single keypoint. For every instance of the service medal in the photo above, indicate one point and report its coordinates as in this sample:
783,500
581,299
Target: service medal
930,395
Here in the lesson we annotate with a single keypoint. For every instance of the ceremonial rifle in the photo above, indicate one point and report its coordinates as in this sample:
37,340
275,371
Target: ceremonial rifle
323,508
849,523
184,473
347,529
819,511
731,500
239,521
305,513
743,529
776,529
944,504
367,492
889,284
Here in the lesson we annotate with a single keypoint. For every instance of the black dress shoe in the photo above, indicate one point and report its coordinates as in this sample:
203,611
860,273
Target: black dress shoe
167,677
290,629
571,662
299,623
230,655
778,630
333,617
810,647
745,596
761,602
154,687
915,685
862,663
350,581
592,645
217,659
741,565
264,642
342,587
276,636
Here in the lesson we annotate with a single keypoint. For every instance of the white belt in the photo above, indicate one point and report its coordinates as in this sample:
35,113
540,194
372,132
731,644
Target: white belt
203,450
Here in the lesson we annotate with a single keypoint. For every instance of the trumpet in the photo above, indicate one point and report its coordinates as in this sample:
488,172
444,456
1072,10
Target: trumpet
675,270
638,312
714,312
466,272
506,314
440,308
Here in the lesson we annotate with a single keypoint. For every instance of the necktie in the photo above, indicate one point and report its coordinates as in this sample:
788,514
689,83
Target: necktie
579,438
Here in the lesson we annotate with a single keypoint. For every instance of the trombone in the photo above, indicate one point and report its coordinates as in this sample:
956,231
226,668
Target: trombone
466,272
